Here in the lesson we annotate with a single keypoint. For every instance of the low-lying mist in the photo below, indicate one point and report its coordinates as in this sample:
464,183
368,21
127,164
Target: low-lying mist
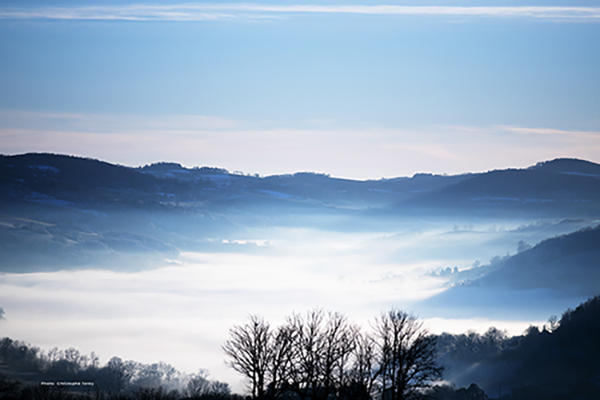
181,311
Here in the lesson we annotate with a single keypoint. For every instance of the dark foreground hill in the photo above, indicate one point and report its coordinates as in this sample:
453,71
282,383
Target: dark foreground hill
558,361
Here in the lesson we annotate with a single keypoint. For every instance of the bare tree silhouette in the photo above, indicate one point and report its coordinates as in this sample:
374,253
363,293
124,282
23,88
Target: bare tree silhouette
406,356
323,356
249,353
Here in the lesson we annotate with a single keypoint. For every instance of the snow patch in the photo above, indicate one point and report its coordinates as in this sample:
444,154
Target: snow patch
582,174
496,198
45,168
276,194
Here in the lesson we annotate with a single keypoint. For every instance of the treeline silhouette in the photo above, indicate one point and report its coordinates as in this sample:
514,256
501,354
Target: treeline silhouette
323,356
30,373
560,360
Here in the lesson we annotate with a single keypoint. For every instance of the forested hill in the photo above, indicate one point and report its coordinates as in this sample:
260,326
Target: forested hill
564,262
557,361
562,266
61,180
571,184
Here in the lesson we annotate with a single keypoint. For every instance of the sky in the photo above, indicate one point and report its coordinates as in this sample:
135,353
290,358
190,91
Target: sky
355,89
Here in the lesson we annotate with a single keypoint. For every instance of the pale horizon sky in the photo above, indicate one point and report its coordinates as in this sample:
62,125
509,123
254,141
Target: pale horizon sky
368,153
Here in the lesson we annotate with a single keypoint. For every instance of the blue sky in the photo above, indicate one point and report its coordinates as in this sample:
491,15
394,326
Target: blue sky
354,89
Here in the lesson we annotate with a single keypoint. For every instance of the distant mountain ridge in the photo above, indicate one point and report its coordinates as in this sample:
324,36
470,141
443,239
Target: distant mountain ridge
560,183
547,184
57,210
569,166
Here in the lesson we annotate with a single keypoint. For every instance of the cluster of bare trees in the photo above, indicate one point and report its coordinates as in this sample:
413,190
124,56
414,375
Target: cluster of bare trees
324,356
118,379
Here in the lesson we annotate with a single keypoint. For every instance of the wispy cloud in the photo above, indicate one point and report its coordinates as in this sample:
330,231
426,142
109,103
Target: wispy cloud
213,12
550,131
111,123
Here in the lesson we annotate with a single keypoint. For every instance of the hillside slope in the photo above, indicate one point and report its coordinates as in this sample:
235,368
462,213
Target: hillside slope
546,277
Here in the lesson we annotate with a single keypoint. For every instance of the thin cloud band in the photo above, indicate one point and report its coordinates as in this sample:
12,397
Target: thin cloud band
205,12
